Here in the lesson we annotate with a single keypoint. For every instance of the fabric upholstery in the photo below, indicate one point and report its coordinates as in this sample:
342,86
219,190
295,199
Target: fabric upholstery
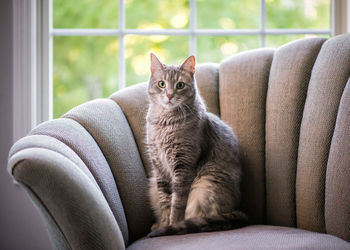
337,204
288,82
134,103
57,238
106,123
47,142
253,237
243,87
70,197
72,134
207,77
329,76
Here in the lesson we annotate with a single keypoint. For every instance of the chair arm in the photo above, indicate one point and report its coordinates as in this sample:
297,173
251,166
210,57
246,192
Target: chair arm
63,193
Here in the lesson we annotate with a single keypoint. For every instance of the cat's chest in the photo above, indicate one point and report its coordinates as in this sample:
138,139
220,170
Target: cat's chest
164,143
163,138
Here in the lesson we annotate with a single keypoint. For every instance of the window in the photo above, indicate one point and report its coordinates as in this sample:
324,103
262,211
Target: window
102,46
68,52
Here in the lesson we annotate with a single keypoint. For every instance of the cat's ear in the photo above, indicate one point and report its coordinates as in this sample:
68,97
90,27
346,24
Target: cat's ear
156,65
189,64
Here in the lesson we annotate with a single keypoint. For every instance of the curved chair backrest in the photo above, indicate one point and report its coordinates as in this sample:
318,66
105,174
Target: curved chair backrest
87,171
289,108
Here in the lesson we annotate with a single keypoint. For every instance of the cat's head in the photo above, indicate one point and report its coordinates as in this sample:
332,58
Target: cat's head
171,86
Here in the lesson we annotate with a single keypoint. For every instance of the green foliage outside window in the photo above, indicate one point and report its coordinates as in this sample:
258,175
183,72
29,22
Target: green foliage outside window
85,68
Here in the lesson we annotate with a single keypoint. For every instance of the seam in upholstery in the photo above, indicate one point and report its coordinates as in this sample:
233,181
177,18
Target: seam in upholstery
75,152
36,147
298,142
265,114
329,151
133,135
14,166
298,139
72,118
91,169
313,51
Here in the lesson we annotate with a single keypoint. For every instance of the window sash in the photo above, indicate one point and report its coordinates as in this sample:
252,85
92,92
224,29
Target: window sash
192,33
33,76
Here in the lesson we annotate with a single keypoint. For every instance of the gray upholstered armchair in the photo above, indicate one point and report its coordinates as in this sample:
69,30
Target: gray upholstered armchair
290,108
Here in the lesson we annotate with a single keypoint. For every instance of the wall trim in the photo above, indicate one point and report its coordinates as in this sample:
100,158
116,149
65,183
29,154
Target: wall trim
24,60
31,66
44,61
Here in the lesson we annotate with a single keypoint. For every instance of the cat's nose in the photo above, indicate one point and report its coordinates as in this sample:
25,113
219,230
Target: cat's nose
169,96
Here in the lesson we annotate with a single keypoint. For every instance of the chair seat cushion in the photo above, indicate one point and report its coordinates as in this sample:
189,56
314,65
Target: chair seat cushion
251,237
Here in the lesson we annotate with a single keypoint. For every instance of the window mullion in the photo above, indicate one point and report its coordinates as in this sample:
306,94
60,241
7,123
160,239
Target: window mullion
24,68
44,61
193,37
262,23
121,54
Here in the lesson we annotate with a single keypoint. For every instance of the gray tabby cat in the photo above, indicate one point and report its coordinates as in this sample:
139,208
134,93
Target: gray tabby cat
196,168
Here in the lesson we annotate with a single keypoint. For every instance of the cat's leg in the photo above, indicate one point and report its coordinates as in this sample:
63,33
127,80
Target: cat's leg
212,193
202,202
154,199
161,200
182,180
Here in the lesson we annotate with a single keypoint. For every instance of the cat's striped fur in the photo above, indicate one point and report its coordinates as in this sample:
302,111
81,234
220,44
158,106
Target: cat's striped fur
195,185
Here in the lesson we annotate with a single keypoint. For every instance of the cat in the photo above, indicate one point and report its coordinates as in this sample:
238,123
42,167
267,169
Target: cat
196,170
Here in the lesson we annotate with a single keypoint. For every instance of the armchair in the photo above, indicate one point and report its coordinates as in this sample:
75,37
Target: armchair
87,171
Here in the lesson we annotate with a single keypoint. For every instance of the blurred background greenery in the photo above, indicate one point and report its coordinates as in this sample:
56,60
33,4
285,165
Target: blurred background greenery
86,67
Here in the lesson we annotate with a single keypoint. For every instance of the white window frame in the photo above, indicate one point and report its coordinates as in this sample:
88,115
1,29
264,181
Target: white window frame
33,35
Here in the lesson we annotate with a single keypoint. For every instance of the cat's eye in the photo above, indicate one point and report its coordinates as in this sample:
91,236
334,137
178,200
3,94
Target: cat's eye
180,85
161,84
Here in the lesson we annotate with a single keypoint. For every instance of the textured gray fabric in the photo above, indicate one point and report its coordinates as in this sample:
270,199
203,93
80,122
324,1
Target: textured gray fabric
329,76
289,78
57,238
105,121
243,87
80,141
253,237
78,206
47,142
337,206
134,103
207,76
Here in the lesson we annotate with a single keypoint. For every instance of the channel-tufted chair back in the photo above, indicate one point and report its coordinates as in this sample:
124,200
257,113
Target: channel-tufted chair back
290,109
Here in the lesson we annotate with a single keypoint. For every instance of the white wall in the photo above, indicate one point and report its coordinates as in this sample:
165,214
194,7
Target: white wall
20,224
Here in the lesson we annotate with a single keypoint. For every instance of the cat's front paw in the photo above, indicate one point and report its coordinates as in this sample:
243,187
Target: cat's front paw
159,232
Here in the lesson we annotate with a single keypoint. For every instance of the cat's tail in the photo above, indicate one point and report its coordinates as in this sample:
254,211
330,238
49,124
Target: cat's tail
234,220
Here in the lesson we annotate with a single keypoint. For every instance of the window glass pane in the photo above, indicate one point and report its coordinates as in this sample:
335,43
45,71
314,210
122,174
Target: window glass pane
217,48
298,14
85,14
84,68
169,49
228,14
150,14
275,41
